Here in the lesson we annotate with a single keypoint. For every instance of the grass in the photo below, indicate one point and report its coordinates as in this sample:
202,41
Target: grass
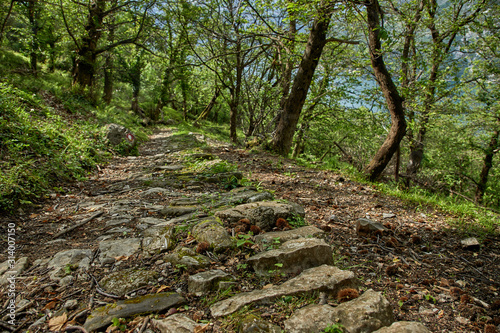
470,218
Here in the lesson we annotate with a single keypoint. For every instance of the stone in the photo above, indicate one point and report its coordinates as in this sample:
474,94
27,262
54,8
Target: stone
253,324
176,323
67,280
186,257
404,327
116,134
119,230
364,314
152,221
293,256
118,221
122,282
324,278
119,248
203,283
170,167
9,269
471,244
70,304
263,214
271,239
154,303
66,261
368,226
241,195
175,211
180,142
158,239
212,232
388,215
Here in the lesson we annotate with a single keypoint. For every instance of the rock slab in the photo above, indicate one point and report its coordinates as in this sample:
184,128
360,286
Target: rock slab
293,256
404,327
324,278
103,316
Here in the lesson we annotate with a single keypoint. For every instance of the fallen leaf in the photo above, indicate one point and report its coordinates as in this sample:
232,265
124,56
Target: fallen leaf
49,306
163,287
201,329
57,323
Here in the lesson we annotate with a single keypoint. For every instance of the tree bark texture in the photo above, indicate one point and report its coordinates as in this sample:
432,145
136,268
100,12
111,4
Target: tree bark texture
283,136
392,97
487,164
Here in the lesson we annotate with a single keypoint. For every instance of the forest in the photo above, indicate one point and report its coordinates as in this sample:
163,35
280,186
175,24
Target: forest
404,92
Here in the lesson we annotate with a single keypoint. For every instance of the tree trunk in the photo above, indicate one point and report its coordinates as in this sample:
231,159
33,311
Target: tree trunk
6,19
32,16
487,165
208,108
283,136
87,55
235,95
108,80
392,97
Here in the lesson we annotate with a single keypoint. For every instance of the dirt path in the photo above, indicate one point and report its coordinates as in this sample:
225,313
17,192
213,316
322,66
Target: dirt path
420,265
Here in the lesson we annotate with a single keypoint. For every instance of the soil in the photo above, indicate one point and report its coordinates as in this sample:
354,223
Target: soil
420,264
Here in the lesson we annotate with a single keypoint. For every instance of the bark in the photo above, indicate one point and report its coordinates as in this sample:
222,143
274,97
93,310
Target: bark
208,108
283,136
6,19
32,16
235,95
487,165
392,97
109,65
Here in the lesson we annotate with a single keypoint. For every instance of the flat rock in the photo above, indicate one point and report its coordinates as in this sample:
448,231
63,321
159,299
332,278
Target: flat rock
324,278
404,327
151,220
293,256
243,195
364,314
8,269
72,259
158,239
120,247
103,316
124,281
176,323
471,244
269,239
118,221
263,214
175,211
186,257
212,232
205,282
368,226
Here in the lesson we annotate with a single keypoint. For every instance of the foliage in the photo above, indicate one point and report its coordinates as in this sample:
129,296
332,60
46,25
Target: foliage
334,328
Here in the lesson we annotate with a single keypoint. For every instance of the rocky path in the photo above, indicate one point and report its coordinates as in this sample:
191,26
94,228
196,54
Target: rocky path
198,236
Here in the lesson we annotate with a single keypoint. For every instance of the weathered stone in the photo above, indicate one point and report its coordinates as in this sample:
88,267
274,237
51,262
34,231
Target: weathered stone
10,268
325,278
70,304
159,238
186,257
122,282
404,327
293,256
176,323
119,247
364,314
66,261
471,244
152,220
275,238
388,215
174,211
119,230
212,232
368,226
118,221
180,142
263,214
253,324
103,316
154,191
170,167
241,195
205,282
67,280
116,134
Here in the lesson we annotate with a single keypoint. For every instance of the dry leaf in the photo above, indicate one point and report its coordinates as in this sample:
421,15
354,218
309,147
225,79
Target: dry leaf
163,287
122,258
57,323
49,306
201,329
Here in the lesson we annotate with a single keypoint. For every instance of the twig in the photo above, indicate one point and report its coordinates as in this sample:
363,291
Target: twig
100,291
144,325
79,224
76,328
474,268
6,326
20,326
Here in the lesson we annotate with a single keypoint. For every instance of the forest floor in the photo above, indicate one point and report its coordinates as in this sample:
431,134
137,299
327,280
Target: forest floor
420,265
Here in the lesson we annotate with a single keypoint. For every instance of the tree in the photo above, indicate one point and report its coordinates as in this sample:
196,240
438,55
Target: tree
391,94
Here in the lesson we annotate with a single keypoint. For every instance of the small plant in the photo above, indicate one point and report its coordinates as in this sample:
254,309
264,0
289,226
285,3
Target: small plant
245,239
334,328
119,322
180,267
241,266
296,221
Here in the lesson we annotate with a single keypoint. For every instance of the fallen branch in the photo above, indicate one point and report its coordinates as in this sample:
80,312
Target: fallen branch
79,224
